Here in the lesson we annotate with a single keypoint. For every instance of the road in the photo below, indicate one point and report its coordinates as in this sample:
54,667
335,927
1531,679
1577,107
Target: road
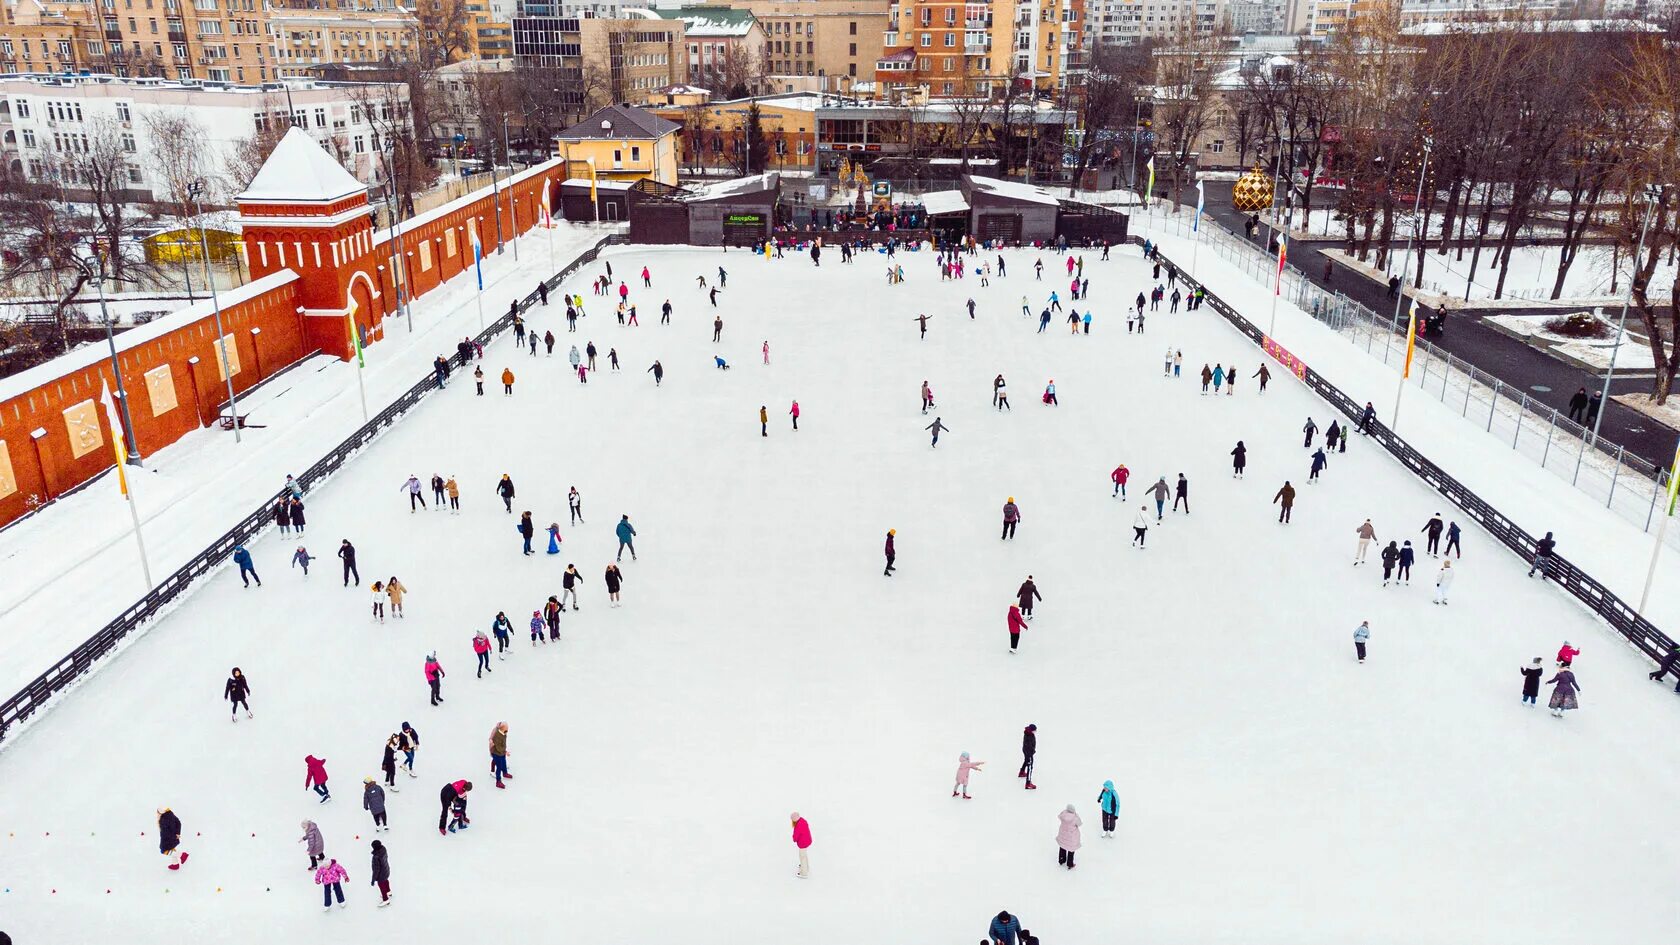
1468,339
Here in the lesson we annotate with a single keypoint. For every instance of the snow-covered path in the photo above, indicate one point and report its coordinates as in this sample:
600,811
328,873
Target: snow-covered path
1273,790
74,567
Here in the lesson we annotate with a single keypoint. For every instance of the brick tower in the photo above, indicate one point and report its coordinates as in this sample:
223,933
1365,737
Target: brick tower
306,213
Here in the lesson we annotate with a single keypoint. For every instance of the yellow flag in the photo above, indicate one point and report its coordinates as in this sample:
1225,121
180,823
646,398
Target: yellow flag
118,445
1673,479
1411,340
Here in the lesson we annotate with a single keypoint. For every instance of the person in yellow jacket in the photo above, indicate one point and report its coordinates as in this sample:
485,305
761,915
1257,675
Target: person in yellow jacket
763,421
395,590
507,382
454,492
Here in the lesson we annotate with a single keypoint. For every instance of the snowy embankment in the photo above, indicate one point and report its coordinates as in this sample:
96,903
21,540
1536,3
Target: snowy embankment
762,664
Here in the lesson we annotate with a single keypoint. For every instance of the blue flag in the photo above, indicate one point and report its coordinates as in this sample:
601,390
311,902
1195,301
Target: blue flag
478,254
1200,196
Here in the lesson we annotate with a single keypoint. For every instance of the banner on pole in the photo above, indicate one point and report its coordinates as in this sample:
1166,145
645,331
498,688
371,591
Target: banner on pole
119,442
1673,479
478,253
1201,198
1283,254
1411,341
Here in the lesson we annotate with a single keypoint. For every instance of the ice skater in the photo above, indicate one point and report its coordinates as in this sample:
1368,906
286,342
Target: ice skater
169,838
1140,526
937,427
1026,594
237,692
434,678
1564,692
802,840
1067,836
964,767
1361,636
1367,534
1029,748
626,537
891,552
1443,581
1239,460
315,776
1011,518
1108,801
1016,624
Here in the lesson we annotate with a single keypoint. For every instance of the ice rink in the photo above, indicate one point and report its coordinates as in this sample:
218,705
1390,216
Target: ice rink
1272,789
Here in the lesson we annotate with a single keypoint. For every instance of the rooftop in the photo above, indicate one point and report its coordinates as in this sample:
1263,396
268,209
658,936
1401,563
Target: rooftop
1012,190
618,121
712,21
299,169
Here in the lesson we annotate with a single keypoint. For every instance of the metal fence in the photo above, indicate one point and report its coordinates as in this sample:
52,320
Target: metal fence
1606,471
67,671
1582,586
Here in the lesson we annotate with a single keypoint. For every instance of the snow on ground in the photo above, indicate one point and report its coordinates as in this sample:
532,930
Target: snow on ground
1273,790
74,567
1533,270
1632,354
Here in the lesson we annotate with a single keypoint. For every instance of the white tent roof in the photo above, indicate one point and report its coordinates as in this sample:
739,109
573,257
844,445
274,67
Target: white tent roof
944,201
299,169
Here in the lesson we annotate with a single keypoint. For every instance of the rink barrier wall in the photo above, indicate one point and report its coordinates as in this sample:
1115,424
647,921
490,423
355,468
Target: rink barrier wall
68,671
1579,584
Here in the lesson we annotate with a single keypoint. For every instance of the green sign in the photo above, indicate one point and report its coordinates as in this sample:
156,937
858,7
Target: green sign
883,189
744,219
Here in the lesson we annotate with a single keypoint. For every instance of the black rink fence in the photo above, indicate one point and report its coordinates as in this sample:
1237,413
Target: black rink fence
67,671
1581,585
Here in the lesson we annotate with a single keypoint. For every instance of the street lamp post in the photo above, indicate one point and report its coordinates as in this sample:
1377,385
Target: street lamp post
399,266
1652,196
1405,269
116,369
196,191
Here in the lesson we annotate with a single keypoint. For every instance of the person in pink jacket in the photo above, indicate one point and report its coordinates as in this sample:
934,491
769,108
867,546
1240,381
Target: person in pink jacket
802,840
481,646
316,777
964,766
330,878
1017,623
434,677
1067,836
794,413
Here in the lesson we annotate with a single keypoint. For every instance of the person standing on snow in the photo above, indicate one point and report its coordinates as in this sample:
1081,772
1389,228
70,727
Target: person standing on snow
1318,463
802,840
1310,429
302,557
1011,518
1003,929
1160,490
410,744
1119,477
1366,419
1182,494
574,502
763,420
434,677
451,793
1207,378
1218,369
1140,526
1404,571
964,767
1564,692
794,413
937,426
1361,635
568,586
380,873
1543,555
315,776
373,801
499,753
388,762
437,491
1285,496
615,580
313,844
237,691
481,648
169,838
1531,682
1026,594
927,397
1433,529
1108,801
1029,748
1443,581
1264,376
1017,623
297,515
1333,436
501,629
1067,836
537,628
1390,557
1367,534
527,530
891,553
626,538
1239,460
347,554
395,590
1453,534
378,591
247,570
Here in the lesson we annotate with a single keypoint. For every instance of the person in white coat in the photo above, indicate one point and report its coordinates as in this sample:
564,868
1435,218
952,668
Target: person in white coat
1067,836
1140,526
1443,580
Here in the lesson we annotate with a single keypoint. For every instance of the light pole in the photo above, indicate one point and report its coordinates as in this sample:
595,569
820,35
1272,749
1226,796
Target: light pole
1405,269
116,369
400,263
195,190
1652,196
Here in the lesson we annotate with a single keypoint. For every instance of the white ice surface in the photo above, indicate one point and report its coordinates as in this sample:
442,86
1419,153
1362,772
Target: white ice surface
1273,790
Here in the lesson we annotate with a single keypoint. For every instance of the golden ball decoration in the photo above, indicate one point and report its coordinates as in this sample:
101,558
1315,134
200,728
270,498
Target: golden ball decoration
1252,191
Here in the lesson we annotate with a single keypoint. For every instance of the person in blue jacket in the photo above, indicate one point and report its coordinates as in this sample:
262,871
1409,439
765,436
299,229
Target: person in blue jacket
626,538
1004,928
1109,803
247,570
1453,533
1404,573
1318,463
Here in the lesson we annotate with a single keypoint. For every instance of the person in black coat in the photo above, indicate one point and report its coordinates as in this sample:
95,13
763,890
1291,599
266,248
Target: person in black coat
1578,405
1239,460
504,488
388,762
1310,429
381,873
296,508
526,530
1333,435
238,689
1390,555
1542,555
1025,595
1594,404
1404,572
1668,665
1531,681
347,554
1365,418
169,837
615,579
283,515
1432,530
1029,748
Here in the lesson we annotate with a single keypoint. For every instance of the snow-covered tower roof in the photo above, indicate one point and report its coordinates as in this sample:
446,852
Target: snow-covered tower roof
300,170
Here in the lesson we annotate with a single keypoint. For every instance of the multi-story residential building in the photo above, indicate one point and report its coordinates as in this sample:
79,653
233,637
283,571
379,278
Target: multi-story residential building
952,47
49,37
455,100
1261,17
835,42
713,134
725,47
46,120
603,61
1125,22
374,32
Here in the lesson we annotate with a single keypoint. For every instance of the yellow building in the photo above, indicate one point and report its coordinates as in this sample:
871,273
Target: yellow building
620,143
713,134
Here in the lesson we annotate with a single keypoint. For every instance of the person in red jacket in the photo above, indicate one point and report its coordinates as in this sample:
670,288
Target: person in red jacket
802,840
891,553
1017,623
1120,475
316,777
1567,654
453,791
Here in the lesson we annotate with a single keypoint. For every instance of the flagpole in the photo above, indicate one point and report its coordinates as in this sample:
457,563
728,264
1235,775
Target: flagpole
1405,270
119,436
1196,229
361,363
140,541
1277,286
1668,512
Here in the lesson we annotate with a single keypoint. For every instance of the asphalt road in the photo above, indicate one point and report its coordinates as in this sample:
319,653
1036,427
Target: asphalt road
1468,339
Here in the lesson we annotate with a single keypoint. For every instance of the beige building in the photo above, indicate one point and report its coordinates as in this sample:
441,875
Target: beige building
835,42
306,38
955,48
607,61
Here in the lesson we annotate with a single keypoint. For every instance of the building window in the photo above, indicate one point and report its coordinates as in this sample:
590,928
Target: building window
618,158
320,118
852,28
927,39
950,40
21,105
134,175
122,111
1217,146
635,153
28,138
851,49
128,142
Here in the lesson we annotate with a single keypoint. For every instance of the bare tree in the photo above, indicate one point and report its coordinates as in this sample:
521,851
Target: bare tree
179,156
446,27
1183,101
1117,76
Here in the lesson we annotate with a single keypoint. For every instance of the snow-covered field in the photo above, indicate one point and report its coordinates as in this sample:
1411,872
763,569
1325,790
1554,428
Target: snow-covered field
1533,270
1273,790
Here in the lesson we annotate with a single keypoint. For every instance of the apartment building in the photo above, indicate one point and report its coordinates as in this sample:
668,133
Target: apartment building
953,47
603,61
45,120
1127,22
835,42
49,37
725,46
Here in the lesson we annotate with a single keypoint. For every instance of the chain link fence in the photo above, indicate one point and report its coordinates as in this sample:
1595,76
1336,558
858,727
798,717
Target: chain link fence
1625,483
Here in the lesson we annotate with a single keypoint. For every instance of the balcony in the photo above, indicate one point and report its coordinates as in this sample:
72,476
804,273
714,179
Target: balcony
976,49
177,36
